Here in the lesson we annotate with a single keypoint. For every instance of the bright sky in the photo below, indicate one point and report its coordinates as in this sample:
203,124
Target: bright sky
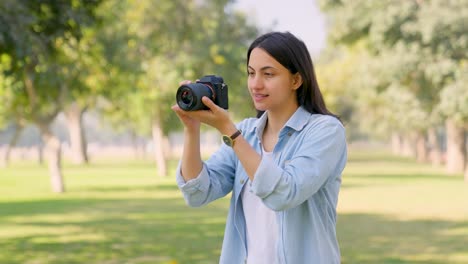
301,17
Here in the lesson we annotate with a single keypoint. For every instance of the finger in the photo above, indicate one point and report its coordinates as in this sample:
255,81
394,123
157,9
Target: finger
178,111
176,108
210,104
184,82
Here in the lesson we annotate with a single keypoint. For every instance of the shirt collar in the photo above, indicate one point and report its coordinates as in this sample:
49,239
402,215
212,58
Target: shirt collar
297,121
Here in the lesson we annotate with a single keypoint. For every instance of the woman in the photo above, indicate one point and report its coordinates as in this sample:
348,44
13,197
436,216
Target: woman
283,167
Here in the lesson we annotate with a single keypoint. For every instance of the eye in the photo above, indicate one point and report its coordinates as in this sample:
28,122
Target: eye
268,74
250,73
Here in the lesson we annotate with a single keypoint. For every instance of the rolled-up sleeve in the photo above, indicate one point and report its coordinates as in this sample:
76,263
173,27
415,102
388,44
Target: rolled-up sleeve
267,177
320,155
200,184
214,181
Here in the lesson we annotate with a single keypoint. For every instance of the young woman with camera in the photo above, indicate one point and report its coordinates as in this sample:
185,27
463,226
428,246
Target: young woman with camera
283,167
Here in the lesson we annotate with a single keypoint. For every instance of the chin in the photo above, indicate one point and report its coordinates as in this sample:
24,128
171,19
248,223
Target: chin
260,108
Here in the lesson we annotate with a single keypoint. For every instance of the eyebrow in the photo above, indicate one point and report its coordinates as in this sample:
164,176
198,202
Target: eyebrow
263,68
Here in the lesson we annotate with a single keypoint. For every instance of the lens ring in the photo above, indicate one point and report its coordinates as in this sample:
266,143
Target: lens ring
185,98
213,97
188,96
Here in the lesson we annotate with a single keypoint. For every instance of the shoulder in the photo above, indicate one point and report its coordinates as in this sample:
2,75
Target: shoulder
318,123
324,132
319,119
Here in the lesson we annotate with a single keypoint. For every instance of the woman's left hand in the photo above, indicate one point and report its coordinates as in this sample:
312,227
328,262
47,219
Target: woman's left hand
216,117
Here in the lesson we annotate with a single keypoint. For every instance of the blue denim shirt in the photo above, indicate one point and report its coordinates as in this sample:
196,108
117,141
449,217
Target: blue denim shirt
300,182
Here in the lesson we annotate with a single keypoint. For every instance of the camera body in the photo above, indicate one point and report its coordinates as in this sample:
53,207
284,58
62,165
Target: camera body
189,96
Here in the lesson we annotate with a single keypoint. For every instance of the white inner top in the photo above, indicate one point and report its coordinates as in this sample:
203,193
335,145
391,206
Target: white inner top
261,227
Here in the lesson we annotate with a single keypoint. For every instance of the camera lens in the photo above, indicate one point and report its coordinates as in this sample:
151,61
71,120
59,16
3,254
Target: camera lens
189,96
186,97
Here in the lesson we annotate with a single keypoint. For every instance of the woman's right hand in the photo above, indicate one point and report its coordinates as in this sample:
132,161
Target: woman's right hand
190,124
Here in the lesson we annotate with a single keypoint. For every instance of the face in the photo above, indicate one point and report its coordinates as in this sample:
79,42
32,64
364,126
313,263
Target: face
271,85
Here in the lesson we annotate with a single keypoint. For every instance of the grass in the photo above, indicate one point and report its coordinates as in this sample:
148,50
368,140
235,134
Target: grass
391,210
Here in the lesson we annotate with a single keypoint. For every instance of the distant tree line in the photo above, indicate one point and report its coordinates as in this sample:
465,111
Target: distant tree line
402,66
122,59
394,69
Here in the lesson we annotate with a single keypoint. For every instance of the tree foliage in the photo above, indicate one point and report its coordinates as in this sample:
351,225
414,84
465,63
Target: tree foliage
31,35
150,50
411,48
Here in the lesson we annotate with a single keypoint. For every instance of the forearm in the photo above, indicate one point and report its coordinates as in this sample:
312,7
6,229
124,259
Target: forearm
191,157
247,155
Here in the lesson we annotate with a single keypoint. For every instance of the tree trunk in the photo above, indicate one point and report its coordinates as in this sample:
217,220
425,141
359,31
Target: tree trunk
53,154
159,154
137,146
40,153
142,148
421,149
408,146
435,153
396,144
52,144
78,143
456,147
6,155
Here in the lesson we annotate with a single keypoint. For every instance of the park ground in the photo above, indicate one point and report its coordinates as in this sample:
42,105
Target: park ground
391,210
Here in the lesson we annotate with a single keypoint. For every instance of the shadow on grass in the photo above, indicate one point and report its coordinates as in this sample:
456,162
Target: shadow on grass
110,231
163,230
144,222
371,238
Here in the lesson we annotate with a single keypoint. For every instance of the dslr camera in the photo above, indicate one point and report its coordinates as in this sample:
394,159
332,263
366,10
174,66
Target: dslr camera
189,96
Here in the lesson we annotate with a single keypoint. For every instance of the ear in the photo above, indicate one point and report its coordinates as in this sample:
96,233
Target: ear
296,81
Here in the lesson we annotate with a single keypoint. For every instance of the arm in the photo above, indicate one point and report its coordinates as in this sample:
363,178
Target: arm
201,182
320,156
214,181
219,119
191,162
247,155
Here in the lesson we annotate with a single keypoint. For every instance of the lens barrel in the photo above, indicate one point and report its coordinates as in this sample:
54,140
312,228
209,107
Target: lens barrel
189,96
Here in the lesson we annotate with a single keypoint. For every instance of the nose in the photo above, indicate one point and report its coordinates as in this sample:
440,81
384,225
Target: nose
255,82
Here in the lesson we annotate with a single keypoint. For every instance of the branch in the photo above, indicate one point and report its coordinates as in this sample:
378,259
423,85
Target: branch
29,85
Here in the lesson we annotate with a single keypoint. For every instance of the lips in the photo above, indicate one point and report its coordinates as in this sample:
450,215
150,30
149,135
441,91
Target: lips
259,97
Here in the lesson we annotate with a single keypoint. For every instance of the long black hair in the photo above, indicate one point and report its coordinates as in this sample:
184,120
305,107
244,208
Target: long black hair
292,53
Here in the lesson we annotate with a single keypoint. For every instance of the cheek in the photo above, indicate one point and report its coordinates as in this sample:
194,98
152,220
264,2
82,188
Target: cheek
249,83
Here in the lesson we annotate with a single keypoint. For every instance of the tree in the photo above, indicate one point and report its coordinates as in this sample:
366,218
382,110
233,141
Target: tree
30,34
161,49
454,106
415,45
11,113
82,74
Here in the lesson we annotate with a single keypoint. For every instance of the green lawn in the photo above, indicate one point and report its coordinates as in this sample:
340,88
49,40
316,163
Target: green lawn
391,210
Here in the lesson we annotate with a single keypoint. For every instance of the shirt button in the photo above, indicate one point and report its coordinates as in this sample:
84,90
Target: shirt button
289,134
241,181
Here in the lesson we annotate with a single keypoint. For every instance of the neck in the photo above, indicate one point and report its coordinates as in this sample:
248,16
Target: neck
277,119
